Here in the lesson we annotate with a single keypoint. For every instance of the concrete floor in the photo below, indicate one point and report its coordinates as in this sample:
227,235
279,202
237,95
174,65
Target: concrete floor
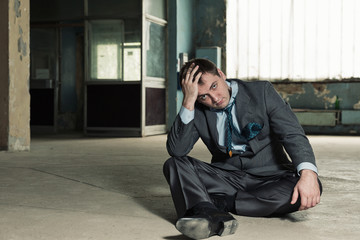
71,187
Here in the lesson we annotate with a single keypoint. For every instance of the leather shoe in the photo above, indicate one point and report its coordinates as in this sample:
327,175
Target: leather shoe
203,222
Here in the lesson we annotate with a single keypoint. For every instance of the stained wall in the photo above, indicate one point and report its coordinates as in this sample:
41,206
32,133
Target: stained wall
14,76
320,97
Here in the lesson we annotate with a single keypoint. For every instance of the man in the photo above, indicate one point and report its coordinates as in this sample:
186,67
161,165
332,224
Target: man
250,132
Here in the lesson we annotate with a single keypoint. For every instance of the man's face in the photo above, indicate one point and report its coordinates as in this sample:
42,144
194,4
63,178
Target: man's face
213,92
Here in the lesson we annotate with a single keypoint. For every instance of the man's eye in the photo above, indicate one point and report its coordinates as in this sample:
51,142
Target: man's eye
214,86
202,97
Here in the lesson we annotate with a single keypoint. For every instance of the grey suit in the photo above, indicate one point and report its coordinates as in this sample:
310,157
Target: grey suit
264,164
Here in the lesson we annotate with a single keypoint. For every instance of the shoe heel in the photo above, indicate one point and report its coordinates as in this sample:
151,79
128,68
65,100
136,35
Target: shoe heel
229,228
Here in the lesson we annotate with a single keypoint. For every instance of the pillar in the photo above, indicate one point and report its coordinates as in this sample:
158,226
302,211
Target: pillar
14,75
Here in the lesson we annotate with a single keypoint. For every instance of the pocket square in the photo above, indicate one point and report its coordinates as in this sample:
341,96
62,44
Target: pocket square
251,130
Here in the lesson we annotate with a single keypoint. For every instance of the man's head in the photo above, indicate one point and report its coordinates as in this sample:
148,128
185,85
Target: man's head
213,91
205,66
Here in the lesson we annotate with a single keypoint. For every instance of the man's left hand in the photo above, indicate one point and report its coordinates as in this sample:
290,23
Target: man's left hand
308,189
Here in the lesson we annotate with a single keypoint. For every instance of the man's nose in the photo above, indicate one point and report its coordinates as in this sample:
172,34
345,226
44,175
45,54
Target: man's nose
214,98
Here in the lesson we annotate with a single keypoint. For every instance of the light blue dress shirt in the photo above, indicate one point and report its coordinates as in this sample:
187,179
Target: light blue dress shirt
186,116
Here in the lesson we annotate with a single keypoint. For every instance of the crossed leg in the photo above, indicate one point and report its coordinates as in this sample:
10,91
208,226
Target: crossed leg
193,181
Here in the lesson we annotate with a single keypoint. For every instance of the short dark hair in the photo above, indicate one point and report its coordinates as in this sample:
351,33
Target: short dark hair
205,66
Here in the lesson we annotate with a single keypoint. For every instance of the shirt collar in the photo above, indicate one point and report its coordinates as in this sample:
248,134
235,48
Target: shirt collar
234,90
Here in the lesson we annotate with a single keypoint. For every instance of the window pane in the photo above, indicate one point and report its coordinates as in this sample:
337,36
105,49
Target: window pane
107,61
298,40
106,43
132,50
43,46
155,55
132,62
155,8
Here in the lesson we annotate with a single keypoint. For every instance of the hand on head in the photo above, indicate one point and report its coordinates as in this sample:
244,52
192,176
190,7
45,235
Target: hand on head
189,84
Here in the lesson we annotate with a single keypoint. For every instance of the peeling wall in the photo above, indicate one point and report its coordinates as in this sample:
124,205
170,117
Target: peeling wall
210,26
19,65
321,95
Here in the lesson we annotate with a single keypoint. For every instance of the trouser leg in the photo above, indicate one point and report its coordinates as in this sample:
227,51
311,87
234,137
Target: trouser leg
186,188
192,181
268,197
265,197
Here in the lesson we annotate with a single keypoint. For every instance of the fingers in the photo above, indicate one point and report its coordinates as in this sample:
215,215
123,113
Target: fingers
307,189
189,86
308,200
193,71
307,203
197,77
189,76
304,204
315,201
295,196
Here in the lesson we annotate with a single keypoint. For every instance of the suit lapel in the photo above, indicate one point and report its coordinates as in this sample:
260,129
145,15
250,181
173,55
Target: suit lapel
242,106
211,119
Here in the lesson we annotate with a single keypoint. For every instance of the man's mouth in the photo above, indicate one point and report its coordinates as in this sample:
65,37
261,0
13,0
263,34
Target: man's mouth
219,103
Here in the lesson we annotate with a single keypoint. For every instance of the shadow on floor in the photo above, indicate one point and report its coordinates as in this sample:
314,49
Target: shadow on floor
145,184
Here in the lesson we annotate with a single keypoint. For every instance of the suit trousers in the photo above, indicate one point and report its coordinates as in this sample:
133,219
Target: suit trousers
193,181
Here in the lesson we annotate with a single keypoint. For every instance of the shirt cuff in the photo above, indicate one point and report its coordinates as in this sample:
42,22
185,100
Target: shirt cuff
306,165
186,115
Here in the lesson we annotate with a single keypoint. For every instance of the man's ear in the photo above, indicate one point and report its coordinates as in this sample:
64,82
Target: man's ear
222,75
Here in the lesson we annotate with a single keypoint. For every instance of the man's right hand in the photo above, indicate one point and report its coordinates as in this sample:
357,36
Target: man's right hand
189,86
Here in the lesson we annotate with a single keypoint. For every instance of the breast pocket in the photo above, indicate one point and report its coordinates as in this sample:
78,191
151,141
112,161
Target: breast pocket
265,132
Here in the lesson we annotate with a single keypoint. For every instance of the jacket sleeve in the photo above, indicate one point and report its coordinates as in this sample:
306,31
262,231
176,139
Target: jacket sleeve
181,138
285,125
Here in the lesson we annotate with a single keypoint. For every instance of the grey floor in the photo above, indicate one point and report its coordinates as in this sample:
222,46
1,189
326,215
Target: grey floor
71,187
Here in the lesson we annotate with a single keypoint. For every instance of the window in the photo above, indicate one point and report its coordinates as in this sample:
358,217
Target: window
106,55
299,40
107,61
132,61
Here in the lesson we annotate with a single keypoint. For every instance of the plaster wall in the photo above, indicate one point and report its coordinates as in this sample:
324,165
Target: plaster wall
185,36
181,15
199,23
318,95
210,26
19,65
322,96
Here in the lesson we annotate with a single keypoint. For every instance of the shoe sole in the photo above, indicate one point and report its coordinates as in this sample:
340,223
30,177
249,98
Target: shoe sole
229,228
199,228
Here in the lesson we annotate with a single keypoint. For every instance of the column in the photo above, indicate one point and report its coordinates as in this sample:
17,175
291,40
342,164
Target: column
14,75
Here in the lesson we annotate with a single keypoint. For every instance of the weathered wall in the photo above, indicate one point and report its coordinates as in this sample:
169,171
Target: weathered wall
210,26
321,95
19,64
181,14
191,26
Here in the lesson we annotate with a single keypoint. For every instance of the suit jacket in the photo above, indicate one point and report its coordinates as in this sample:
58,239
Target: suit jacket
255,102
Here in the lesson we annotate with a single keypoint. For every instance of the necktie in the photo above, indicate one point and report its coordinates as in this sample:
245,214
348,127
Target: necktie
247,133
229,129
